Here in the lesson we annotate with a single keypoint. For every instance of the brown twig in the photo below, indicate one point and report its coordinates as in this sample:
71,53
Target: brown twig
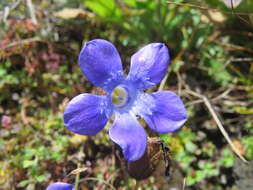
233,46
100,180
207,8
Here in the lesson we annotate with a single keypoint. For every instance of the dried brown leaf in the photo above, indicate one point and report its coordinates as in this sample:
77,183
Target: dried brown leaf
69,13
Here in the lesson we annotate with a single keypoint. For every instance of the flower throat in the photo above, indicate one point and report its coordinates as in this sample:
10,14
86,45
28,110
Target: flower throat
119,96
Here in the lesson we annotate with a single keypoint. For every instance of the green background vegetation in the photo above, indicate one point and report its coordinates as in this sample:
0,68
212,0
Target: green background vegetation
211,54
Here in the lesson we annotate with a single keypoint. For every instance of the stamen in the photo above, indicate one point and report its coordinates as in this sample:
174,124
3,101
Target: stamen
119,96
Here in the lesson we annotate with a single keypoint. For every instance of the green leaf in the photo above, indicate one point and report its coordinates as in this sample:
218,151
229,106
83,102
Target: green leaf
28,163
165,137
248,143
131,2
40,178
23,183
227,160
105,9
218,72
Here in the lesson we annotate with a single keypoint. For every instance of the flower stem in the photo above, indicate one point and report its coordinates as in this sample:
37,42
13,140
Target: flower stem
77,178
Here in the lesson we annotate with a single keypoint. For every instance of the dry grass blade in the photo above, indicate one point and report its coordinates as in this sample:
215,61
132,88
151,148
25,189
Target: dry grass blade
31,11
77,171
163,82
218,122
21,42
223,131
184,184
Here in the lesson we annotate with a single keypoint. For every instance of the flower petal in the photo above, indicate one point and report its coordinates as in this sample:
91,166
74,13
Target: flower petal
60,186
129,135
164,111
101,64
87,114
149,65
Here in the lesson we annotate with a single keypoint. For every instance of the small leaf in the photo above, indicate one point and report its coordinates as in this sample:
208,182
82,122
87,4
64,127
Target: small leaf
40,178
131,2
23,183
28,163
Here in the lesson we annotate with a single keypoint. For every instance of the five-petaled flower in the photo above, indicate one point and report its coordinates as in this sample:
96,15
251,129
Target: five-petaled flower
163,111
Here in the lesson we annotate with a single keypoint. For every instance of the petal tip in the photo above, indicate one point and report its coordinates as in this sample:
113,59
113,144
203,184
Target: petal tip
86,114
130,136
60,186
149,65
99,60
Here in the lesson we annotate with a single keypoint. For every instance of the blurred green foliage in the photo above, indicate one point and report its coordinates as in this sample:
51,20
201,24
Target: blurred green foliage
211,52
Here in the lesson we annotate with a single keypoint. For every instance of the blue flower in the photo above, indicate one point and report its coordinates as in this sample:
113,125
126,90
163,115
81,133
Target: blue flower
60,186
163,111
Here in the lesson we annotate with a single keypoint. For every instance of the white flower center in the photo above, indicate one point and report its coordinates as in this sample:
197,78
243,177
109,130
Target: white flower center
119,96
